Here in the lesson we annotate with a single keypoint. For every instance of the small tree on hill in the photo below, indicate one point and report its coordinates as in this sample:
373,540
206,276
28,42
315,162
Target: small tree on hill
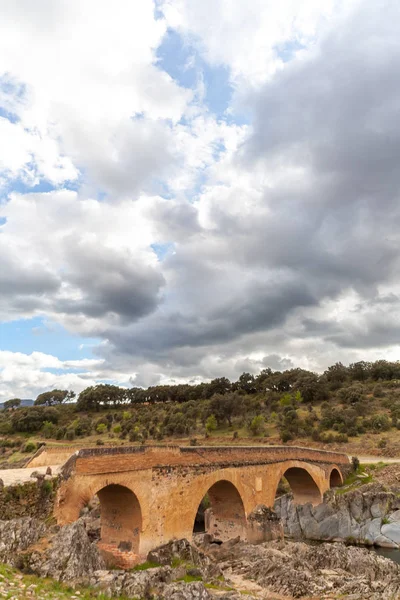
13,403
102,396
54,397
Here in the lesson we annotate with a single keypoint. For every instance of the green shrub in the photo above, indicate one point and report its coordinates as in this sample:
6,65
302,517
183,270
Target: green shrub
29,447
47,487
257,425
211,424
70,434
49,430
60,433
144,566
286,436
378,391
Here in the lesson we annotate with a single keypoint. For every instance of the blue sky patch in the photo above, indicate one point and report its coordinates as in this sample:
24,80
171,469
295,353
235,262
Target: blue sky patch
162,250
184,64
40,335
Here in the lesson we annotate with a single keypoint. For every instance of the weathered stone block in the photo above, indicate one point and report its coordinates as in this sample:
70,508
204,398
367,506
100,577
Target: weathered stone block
263,525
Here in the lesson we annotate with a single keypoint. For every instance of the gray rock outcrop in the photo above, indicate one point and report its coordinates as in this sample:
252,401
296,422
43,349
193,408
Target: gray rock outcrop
365,518
18,535
70,556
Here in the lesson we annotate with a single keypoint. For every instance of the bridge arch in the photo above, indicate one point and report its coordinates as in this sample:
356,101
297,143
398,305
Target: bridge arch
225,517
335,477
302,479
120,518
123,511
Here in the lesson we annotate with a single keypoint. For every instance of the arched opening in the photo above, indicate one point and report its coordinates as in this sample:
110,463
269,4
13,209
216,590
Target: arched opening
335,479
114,514
302,486
221,513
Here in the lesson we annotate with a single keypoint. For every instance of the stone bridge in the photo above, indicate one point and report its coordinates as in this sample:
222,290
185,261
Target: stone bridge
149,495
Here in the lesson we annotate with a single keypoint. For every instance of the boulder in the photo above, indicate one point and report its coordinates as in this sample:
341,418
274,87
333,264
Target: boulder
383,542
372,530
395,516
184,552
17,535
175,549
157,583
356,505
392,531
70,556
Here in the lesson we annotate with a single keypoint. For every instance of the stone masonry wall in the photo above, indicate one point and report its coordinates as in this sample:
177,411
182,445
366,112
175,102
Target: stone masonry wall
32,499
47,457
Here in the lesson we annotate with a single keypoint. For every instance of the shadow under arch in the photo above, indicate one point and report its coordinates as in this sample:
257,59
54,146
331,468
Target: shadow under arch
120,518
303,486
224,513
335,478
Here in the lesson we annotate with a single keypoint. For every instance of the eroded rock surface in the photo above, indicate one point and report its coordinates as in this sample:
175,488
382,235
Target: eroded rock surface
297,569
369,517
157,583
181,551
18,535
70,555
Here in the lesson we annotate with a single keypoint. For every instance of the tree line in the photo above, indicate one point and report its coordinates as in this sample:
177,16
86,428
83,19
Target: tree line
313,387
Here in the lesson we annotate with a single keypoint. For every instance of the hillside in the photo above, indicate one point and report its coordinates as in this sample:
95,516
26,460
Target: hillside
355,409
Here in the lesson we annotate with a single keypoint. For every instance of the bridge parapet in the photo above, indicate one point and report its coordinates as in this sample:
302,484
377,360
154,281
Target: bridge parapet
90,461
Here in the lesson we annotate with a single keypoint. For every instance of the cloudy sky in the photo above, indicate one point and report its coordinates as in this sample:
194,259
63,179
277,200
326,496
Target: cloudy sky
194,188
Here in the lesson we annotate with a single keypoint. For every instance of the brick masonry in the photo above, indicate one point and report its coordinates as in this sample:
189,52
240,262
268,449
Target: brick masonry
151,494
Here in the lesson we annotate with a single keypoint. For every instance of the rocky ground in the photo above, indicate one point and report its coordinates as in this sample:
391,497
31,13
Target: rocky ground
16,586
299,570
388,475
180,571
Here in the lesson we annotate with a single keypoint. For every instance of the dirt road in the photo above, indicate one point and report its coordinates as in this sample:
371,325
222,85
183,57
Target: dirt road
371,460
12,476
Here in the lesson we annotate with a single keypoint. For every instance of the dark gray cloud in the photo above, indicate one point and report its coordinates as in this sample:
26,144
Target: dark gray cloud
24,283
69,263
262,307
110,281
